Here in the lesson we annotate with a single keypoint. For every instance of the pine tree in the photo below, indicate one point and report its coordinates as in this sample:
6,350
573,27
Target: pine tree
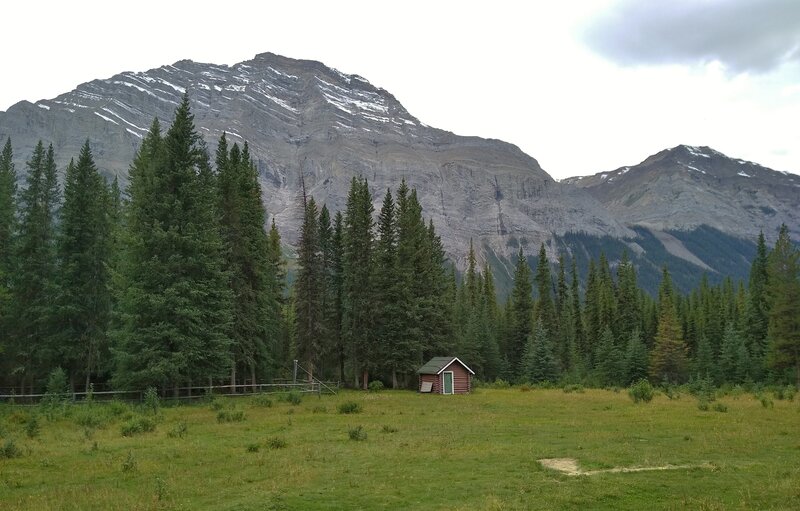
668,357
783,291
544,308
628,313
84,252
34,280
334,313
579,333
176,303
733,358
704,365
490,351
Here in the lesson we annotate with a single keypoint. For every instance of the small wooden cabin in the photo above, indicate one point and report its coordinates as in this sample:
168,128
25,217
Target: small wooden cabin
445,375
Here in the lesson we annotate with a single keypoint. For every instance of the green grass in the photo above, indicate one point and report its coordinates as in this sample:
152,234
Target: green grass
477,451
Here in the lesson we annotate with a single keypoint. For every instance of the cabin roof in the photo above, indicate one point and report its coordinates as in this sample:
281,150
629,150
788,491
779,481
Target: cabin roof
438,364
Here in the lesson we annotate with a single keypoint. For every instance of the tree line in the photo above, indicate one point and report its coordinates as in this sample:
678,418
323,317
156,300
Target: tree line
177,281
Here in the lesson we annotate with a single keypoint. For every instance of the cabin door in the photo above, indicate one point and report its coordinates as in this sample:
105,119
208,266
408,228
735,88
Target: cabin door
447,378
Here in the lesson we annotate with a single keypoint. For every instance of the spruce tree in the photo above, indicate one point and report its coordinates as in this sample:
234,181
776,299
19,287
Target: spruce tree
309,290
357,274
8,196
628,314
34,278
668,362
176,303
783,292
521,319
756,313
636,358
544,308
538,362
610,362
490,328
334,313
733,358
579,332
84,245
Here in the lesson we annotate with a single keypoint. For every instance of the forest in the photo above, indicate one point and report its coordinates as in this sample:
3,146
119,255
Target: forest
180,279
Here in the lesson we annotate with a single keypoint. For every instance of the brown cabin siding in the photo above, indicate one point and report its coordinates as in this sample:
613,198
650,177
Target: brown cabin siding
462,379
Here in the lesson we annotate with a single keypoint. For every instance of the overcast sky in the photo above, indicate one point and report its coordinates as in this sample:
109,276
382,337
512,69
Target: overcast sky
582,86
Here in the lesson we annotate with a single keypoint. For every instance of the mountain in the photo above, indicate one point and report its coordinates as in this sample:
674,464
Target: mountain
304,119
683,188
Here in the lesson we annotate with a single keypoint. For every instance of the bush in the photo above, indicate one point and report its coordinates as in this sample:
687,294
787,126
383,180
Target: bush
276,443
179,430
357,433
129,463
702,405
294,397
574,387
262,400
786,392
253,447
375,386
719,407
138,425
389,429
525,387
216,404
501,384
641,391
116,408
90,418
32,428
766,402
151,401
9,450
230,416
319,409
349,407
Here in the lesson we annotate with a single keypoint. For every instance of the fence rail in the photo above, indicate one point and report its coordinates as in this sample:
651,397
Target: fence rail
185,393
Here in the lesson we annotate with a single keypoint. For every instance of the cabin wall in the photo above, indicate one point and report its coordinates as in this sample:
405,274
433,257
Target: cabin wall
462,379
437,382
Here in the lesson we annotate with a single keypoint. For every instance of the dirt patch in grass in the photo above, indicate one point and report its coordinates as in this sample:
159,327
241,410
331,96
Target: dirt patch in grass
569,466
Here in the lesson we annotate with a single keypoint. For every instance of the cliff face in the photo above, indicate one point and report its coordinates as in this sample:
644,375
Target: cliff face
302,118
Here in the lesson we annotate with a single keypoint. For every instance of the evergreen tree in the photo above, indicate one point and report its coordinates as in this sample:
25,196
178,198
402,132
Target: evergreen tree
84,252
8,195
756,313
668,357
544,308
628,313
538,362
176,304
521,314
783,292
733,358
246,249
309,290
581,346
357,275
565,343
489,349
704,365
636,359
334,313
34,279
610,361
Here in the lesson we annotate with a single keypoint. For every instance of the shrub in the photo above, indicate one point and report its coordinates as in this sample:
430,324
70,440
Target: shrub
389,429
151,401
9,450
179,430
702,405
375,386
138,425
766,402
262,400
719,407
319,409
574,387
786,392
253,448
501,384
349,407
32,428
216,404
116,408
276,443
357,433
641,391
525,387
230,416
129,463
294,397
90,418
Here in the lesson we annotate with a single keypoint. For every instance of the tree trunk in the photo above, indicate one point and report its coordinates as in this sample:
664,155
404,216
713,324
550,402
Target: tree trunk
394,378
253,378
366,379
310,371
176,392
233,377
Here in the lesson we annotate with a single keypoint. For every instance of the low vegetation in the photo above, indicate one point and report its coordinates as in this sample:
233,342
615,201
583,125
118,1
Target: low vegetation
412,451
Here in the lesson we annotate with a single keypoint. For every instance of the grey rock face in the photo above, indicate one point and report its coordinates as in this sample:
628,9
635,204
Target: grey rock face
302,118
684,187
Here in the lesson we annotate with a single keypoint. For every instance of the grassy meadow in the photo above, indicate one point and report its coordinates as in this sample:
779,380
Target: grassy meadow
412,451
